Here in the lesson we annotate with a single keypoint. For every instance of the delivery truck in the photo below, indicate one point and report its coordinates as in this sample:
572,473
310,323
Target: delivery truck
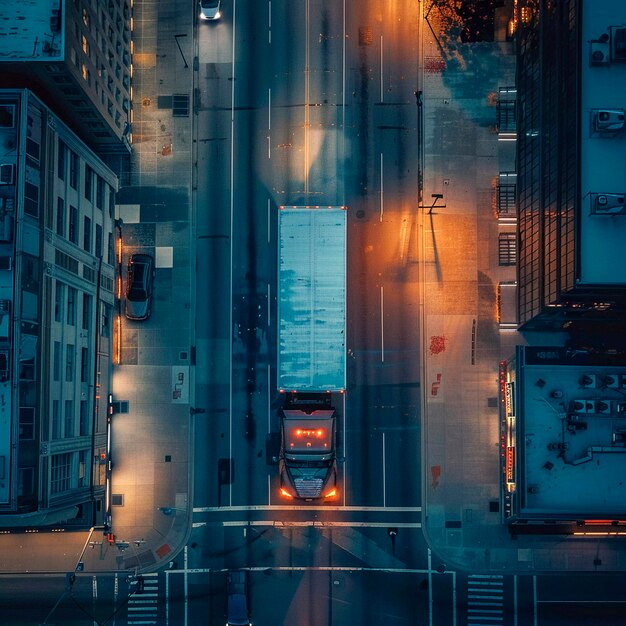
311,347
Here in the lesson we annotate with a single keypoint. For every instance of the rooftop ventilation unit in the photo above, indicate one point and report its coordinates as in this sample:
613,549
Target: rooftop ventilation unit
600,51
608,120
618,43
608,204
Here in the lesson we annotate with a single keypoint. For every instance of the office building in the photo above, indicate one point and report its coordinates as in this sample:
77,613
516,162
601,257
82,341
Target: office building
76,56
571,179
563,440
57,273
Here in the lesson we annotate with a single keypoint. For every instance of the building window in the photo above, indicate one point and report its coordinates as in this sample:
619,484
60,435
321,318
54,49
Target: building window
88,182
99,192
25,481
31,199
86,311
83,475
56,419
99,241
56,368
84,365
507,249
59,294
61,217
71,306
85,44
27,369
27,422
87,234
106,329
73,170
61,160
69,362
60,473
73,234
69,419
110,252
84,419
111,202
86,17
7,115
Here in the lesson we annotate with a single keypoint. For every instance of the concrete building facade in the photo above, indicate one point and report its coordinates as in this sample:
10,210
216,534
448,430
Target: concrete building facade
57,288
76,55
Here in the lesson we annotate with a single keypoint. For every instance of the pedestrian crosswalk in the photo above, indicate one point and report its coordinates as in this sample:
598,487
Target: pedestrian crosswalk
485,600
143,602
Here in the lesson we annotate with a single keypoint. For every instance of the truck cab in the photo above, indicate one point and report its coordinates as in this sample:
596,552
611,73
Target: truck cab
307,462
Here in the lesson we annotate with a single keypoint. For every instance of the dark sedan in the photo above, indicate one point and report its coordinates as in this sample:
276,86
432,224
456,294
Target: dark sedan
139,287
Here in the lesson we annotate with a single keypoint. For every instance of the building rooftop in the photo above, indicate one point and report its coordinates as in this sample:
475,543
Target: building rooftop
32,30
603,176
571,435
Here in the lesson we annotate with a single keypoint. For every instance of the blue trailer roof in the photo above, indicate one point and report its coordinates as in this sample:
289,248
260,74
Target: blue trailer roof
312,298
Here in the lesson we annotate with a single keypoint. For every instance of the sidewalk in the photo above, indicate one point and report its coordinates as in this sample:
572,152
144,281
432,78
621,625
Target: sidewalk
462,343
152,443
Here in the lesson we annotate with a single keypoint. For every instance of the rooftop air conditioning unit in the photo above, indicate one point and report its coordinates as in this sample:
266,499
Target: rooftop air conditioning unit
609,204
600,51
618,43
608,120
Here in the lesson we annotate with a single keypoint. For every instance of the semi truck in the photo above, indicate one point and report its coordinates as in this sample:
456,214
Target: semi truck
311,370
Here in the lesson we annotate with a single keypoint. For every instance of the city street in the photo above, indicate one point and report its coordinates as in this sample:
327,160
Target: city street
324,104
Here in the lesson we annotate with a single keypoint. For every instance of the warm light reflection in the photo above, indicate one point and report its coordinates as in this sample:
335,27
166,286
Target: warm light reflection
285,493
117,356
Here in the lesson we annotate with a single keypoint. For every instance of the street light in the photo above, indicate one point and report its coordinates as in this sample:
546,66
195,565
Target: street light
435,197
180,49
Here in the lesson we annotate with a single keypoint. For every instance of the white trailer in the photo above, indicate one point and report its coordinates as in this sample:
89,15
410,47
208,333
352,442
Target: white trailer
312,298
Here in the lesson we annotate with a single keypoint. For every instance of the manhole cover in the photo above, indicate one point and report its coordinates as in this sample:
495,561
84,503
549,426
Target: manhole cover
365,37
146,102
360,213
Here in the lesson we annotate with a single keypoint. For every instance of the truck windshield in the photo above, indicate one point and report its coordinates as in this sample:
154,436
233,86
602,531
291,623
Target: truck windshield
308,464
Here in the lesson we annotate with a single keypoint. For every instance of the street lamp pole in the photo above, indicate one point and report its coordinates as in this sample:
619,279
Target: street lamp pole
180,49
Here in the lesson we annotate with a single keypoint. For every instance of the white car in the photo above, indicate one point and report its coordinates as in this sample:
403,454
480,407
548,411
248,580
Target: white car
210,9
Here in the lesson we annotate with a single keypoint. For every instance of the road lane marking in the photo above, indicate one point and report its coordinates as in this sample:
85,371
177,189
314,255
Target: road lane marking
382,190
319,568
269,128
384,475
232,222
306,97
291,507
382,325
316,523
269,22
345,473
382,95
430,588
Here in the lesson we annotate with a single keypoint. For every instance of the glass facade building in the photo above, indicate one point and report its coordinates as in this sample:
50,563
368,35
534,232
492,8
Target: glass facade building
562,164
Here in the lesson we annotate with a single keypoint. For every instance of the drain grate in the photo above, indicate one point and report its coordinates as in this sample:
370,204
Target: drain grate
180,105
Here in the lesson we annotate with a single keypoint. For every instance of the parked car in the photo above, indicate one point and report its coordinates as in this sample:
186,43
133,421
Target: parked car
237,588
210,9
139,287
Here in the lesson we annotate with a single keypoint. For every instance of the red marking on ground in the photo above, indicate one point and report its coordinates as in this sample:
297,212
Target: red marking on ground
437,344
164,550
435,473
